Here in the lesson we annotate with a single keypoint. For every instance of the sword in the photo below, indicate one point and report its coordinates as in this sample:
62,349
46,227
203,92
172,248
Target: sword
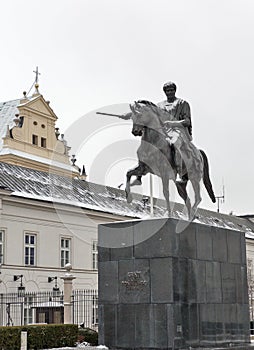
121,116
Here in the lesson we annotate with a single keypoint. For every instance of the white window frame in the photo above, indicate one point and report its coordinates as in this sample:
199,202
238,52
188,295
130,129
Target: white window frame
65,251
28,310
95,255
31,247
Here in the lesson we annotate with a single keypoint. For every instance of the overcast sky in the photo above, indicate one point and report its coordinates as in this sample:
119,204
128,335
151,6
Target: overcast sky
104,53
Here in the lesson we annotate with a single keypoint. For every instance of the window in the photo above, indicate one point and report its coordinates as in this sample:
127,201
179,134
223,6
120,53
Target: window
28,310
30,246
43,142
21,121
35,140
65,251
95,255
1,247
95,310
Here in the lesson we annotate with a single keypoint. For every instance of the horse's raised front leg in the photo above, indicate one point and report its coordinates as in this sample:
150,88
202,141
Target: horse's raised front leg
138,171
165,186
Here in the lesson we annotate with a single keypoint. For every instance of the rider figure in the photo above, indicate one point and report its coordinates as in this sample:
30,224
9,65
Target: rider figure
177,119
177,114
178,110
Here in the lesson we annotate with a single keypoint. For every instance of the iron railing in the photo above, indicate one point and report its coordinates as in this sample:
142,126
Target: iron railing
17,309
85,307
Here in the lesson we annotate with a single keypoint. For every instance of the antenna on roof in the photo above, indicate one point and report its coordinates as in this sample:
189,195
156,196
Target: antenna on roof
220,199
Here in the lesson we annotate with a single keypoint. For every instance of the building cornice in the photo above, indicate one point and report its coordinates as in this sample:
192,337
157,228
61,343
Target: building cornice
71,209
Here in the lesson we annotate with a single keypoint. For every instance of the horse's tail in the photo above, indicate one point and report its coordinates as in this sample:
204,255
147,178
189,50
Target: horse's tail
206,177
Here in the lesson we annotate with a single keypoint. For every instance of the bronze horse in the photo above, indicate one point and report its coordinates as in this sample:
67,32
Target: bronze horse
155,156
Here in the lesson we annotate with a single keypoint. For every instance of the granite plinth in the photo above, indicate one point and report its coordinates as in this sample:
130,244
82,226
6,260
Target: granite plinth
159,289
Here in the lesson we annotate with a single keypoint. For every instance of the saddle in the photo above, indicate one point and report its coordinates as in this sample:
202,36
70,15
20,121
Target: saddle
184,154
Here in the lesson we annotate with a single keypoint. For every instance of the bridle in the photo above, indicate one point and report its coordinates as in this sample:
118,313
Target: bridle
150,105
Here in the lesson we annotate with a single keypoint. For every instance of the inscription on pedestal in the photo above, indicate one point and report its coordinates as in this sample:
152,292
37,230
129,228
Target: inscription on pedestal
134,281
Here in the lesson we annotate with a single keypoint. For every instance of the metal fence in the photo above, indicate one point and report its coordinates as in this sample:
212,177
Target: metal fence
85,307
18,309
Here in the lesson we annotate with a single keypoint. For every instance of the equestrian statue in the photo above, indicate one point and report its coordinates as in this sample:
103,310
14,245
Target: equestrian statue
166,148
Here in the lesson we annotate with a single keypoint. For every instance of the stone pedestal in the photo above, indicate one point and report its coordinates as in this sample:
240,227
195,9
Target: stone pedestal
68,280
159,289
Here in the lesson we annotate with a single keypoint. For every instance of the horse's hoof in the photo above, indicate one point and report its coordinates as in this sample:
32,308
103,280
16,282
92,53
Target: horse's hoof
192,214
129,198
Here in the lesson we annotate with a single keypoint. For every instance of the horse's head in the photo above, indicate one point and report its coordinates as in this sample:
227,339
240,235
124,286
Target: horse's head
137,118
140,116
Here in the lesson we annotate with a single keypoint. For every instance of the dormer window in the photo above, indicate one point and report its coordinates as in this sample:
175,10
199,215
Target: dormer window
43,142
21,121
35,140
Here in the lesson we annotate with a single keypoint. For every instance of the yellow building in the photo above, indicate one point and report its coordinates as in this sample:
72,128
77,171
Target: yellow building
29,136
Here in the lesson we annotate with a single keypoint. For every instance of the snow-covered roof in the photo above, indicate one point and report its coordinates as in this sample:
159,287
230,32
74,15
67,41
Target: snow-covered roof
43,186
7,114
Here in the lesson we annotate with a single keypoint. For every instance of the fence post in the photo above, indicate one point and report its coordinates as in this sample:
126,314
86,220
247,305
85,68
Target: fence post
67,278
23,340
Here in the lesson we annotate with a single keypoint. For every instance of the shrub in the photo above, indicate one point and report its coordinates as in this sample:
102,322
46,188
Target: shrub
88,335
39,336
10,338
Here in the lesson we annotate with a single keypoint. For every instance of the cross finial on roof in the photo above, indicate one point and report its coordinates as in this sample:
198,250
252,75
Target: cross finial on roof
36,75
